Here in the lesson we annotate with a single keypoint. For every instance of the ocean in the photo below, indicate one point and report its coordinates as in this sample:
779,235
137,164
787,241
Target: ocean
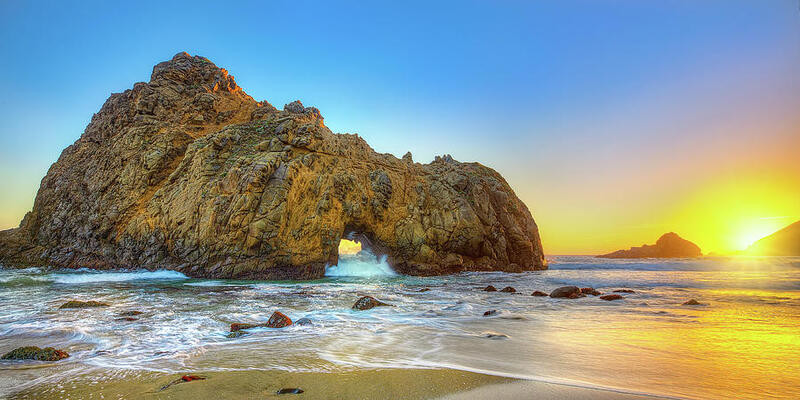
743,341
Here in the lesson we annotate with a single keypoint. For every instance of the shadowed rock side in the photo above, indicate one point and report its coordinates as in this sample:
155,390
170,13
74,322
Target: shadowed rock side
669,245
187,172
785,242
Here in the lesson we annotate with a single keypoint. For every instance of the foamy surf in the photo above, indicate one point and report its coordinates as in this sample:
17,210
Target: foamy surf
363,264
94,277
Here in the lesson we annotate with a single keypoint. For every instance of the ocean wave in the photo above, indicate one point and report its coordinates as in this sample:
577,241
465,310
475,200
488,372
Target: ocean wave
94,277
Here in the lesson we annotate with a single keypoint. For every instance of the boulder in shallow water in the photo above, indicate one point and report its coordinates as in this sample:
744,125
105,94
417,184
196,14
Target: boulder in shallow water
290,391
303,322
367,302
130,313
624,291
610,297
237,326
567,292
591,291
539,293
278,320
490,313
509,289
490,288
35,353
83,304
692,302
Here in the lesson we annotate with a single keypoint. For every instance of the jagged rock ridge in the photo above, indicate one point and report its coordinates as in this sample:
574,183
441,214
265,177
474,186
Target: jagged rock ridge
188,172
669,245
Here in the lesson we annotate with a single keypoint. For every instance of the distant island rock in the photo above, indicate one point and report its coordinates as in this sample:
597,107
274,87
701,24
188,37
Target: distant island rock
188,172
785,242
669,245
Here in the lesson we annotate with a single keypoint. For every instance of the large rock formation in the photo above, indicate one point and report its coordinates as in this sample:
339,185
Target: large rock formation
188,172
785,242
669,245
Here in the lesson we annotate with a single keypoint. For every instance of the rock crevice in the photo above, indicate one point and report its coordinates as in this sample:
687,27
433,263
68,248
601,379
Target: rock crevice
188,172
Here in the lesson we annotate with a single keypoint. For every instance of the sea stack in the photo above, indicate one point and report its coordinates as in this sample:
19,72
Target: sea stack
669,245
188,172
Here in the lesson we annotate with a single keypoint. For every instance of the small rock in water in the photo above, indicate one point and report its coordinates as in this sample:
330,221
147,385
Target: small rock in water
236,334
569,292
424,290
130,313
509,289
35,353
189,378
303,321
591,291
129,319
367,302
539,293
692,302
624,291
83,304
278,320
610,297
490,288
495,335
490,313
290,391
236,326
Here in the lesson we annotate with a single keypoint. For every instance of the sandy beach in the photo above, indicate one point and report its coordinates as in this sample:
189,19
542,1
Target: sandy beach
361,384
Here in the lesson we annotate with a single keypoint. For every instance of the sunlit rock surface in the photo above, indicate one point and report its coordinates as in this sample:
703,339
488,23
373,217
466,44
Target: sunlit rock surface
188,172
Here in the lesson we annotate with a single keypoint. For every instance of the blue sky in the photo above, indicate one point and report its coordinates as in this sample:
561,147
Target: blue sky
581,105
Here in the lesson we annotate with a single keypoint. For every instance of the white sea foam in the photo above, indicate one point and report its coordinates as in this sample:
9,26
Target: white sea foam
362,264
92,277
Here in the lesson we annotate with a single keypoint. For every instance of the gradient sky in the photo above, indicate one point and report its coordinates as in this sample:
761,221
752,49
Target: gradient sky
615,121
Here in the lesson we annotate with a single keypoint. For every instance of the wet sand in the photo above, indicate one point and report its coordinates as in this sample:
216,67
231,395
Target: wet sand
360,384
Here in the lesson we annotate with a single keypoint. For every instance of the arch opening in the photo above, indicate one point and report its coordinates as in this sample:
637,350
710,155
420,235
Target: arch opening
357,257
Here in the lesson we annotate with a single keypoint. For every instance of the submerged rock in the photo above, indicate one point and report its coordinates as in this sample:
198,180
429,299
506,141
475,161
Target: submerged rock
290,391
539,293
237,326
490,313
423,290
591,291
669,245
35,353
276,320
495,335
83,304
367,302
132,313
509,289
692,302
236,334
624,291
303,322
490,288
568,292
610,297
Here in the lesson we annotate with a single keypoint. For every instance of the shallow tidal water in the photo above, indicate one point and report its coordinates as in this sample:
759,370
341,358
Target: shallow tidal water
743,342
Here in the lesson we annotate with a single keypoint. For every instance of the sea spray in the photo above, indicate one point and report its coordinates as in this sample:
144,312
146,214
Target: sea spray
362,264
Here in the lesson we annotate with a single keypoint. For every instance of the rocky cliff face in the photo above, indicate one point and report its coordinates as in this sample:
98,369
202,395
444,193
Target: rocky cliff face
785,242
669,245
188,172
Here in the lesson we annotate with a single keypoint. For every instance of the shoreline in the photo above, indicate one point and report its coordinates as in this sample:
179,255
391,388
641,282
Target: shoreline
444,383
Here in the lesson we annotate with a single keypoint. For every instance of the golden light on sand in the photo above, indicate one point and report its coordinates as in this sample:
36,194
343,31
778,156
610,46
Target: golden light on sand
349,247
